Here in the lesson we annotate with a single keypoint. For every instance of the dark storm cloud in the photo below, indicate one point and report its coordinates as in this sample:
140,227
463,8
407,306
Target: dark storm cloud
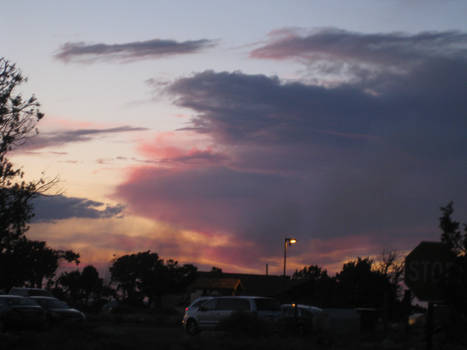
236,107
59,207
59,138
127,52
376,156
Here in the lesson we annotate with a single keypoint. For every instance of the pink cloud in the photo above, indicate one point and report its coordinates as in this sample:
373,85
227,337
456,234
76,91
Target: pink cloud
178,155
182,148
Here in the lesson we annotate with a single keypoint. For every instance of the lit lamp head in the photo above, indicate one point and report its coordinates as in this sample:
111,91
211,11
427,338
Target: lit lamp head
290,241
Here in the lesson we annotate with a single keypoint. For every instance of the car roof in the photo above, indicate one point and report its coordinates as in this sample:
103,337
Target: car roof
42,297
25,288
201,299
241,297
11,296
26,291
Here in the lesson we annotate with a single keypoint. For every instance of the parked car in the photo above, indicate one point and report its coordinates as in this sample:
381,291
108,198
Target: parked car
58,311
28,292
303,319
209,313
18,311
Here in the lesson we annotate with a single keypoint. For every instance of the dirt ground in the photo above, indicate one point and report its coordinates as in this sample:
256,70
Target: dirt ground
115,335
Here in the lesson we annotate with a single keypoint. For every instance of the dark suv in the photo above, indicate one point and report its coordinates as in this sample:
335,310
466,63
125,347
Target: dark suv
17,311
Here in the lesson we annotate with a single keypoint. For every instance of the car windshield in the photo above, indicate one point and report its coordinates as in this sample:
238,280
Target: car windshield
21,301
58,304
267,304
199,302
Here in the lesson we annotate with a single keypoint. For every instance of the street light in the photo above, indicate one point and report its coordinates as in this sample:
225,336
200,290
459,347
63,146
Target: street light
287,242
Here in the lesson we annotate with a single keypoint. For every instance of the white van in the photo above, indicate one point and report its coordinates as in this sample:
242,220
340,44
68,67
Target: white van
208,314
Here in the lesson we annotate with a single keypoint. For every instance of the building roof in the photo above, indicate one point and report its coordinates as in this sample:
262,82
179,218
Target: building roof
216,283
260,285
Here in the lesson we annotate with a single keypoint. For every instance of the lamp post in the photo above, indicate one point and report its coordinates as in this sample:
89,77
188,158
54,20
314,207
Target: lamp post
287,242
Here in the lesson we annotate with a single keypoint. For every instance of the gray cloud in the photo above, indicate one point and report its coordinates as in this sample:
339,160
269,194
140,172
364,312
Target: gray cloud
239,108
59,138
132,51
59,207
398,49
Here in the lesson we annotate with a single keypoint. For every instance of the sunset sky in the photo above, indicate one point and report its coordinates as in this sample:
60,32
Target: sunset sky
207,131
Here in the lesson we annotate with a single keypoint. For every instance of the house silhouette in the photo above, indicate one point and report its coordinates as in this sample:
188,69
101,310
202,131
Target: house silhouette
219,284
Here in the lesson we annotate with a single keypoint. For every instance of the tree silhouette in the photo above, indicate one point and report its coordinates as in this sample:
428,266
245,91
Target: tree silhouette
139,275
319,289
391,267
179,277
361,285
31,263
21,260
451,234
144,275
69,286
91,283
18,118
312,272
361,282
215,272
455,283
80,288
38,261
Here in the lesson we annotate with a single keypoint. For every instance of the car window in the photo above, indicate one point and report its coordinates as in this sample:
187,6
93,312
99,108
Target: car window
209,305
267,304
21,301
18,291
52,303
233,304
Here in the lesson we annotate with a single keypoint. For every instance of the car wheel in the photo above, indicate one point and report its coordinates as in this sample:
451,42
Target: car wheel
192,327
